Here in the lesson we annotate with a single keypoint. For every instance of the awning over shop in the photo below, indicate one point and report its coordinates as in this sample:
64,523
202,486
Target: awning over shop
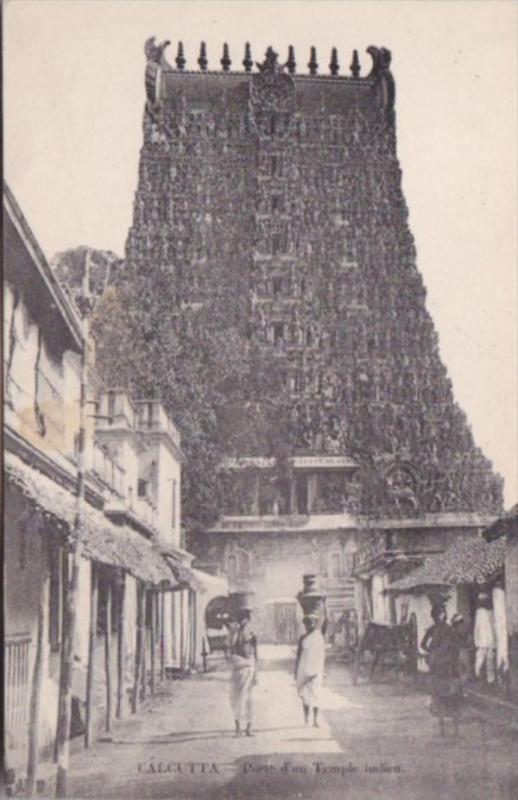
184,574
101,540
466,561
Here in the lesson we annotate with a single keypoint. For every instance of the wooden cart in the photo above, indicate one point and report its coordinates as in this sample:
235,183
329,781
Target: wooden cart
384,645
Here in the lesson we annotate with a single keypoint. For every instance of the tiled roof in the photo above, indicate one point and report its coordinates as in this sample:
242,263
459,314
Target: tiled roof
101,540
507,523
466,561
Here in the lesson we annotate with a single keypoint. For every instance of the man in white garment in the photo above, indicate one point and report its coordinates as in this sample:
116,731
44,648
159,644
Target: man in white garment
243,678
309,665
485,638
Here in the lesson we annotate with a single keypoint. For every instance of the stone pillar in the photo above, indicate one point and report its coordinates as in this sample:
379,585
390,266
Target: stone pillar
312,490
293,495
255,495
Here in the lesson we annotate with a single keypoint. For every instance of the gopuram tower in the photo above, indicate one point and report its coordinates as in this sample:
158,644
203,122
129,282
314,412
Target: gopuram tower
275,192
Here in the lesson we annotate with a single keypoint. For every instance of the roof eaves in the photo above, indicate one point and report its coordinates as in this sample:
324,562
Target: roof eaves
67,311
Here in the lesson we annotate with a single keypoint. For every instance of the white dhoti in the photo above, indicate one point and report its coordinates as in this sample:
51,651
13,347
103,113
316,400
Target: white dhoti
500,615
310,668
485,643
242,682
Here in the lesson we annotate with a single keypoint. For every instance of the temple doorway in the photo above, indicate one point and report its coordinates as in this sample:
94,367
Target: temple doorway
285,621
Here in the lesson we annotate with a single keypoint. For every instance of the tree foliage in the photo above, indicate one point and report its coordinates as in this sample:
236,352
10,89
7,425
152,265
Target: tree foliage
225,395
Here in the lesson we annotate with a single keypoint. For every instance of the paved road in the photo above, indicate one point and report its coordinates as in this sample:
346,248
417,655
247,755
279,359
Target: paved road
374,741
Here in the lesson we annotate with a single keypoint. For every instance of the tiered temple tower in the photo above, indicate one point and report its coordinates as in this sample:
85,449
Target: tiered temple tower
276,195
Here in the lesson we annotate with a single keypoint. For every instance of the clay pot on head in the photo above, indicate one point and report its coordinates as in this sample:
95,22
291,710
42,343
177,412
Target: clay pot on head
309,583
310,602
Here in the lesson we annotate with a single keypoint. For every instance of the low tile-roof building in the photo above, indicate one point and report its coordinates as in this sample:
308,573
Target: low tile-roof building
466,561
505,533
506,524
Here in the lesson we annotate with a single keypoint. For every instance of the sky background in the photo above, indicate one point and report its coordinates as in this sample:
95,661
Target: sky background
73,103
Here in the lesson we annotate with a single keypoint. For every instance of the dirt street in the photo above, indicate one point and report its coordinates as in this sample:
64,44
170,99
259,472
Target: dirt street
375,740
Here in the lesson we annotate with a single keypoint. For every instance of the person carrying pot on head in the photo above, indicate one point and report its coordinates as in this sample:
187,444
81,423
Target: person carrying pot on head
243,678
309,665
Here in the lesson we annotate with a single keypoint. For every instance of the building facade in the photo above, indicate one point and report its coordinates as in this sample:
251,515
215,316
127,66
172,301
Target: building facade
135,589
273,198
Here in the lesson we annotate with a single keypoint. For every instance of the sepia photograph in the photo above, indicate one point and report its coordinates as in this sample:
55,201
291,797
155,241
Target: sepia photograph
260,428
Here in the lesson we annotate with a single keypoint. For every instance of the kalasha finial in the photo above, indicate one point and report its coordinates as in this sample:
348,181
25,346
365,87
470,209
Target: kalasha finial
334,65
247,61
291,63
355,65
202,59
312,64
270,63
225,61
180,60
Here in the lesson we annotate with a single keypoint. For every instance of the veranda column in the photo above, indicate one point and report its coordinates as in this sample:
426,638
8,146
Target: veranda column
182,629
92,639
152,638
194,627
162,634
139,648
36,688
144,645
107,653
65,577
189,629
119,711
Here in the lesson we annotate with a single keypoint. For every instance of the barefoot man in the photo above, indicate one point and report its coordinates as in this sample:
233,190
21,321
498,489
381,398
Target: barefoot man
309,666
243,648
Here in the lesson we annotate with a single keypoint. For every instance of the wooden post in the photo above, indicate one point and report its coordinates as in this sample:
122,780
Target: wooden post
144,646
108,655
120,648
195,629
204,654
67,665
92,638
182,631
138,649
152,641
36,689
191,628
162,635
65,578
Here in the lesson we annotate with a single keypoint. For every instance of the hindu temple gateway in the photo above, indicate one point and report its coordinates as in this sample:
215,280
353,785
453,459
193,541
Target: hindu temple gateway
273,190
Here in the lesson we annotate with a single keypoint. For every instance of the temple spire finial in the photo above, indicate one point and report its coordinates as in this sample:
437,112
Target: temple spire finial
291,63
155,52
312,64
247,61
271,62
334,66
355,65
180,59
202,59
225,60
